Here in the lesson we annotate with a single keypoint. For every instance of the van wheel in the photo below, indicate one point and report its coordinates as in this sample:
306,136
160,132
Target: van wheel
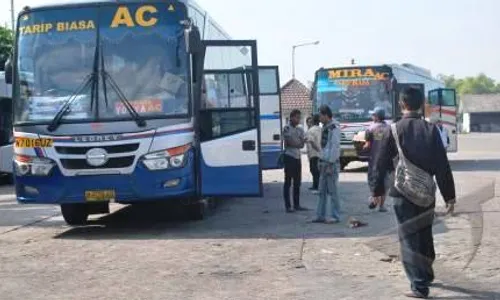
196,211
75,214
343,164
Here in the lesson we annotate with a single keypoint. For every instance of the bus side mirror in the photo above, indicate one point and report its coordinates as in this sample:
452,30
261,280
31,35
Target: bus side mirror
192,39
8,72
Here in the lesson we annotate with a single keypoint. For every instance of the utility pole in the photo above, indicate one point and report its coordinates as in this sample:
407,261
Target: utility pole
12,15
293,54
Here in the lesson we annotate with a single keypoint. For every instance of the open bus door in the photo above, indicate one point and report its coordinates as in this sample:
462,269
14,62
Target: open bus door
442,104
270,117
228,122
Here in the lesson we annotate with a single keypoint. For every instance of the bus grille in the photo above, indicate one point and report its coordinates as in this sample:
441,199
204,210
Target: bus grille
344,139
126,148
113,163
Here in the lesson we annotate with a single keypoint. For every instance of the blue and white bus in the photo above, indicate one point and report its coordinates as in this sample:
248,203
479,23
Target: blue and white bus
6,137
128,102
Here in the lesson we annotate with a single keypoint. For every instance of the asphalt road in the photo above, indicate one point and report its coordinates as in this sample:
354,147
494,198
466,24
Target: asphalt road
251,249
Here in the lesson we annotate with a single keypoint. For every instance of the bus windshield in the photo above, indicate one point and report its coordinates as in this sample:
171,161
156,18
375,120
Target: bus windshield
352,93
136,51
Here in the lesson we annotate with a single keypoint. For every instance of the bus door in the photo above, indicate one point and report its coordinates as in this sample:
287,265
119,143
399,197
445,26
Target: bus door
442,104
270,117
227,118
398,91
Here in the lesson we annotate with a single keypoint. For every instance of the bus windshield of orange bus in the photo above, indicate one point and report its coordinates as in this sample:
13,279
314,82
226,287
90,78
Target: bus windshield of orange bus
352,93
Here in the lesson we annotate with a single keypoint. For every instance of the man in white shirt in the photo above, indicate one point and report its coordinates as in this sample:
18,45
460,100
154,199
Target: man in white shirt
313,138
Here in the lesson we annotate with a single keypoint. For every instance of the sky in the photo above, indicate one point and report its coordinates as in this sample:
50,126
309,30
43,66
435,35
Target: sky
452,37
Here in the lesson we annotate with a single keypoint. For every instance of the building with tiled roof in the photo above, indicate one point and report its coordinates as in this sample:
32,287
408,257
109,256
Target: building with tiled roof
295,95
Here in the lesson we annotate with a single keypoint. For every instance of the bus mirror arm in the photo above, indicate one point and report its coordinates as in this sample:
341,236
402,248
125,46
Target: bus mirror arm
192,39
8,71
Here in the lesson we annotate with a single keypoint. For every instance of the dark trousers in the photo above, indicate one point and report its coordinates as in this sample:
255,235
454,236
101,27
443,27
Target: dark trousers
313,167
293,172
417,244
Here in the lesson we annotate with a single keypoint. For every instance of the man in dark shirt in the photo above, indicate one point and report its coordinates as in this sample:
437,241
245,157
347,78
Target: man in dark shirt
422,145
294,138
374,135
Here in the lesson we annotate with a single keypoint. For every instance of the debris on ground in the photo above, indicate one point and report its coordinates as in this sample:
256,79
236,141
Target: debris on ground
355,223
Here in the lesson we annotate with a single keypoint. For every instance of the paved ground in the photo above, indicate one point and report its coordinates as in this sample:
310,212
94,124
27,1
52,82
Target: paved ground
250,249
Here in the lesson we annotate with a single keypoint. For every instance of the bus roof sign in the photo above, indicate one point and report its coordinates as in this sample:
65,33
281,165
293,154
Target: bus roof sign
365,73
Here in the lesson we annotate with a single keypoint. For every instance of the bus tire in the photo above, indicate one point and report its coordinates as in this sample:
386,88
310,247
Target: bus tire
6,179
10,179
75,214
196,211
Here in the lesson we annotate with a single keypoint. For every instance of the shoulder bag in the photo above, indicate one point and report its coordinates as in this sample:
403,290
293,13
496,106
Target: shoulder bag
415,184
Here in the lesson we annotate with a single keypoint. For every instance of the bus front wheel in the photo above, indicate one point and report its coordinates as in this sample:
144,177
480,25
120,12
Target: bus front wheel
75,214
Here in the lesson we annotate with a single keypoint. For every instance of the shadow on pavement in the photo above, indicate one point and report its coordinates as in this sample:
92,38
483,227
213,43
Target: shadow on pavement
258,218
467,292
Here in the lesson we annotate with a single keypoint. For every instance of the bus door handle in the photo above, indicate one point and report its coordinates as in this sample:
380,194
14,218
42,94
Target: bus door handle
248,145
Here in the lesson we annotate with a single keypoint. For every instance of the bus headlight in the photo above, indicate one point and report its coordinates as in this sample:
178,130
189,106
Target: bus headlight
35,166
165,159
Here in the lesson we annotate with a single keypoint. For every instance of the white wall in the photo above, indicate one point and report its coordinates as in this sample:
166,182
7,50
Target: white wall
466,123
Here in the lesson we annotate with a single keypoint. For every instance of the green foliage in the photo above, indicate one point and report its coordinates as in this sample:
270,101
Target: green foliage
481,84
6,43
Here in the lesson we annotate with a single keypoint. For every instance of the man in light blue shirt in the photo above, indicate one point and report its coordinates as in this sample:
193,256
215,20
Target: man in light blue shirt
329,167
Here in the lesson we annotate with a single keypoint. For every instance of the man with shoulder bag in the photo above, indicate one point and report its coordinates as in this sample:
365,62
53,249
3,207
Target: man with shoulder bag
415,147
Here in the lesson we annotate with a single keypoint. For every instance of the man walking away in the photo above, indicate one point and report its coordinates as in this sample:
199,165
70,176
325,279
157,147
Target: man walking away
294,138
444,133
313,138
374,135
329,167
420,145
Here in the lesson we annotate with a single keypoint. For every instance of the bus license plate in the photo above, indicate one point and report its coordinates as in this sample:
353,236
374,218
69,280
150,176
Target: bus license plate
100,196
349,153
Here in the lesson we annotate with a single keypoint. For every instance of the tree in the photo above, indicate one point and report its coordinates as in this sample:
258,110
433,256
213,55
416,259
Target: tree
6,43
481,84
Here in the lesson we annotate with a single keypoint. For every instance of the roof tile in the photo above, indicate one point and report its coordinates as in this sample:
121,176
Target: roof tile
295,95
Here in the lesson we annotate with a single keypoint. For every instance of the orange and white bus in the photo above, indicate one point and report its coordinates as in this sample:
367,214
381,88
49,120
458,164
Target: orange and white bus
353,91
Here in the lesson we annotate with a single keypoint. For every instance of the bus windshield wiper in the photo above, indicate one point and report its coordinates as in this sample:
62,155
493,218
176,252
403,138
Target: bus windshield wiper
131,110
88,81
92,80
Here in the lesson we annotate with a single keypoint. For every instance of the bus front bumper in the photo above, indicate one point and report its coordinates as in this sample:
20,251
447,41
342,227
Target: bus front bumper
140,186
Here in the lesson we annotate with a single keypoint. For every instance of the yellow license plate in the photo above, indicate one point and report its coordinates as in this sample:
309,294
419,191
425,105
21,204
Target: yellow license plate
100,196
349,153
33,143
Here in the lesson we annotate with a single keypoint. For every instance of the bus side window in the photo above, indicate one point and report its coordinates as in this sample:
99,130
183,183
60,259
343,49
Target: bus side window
204,97
448,98
237,92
